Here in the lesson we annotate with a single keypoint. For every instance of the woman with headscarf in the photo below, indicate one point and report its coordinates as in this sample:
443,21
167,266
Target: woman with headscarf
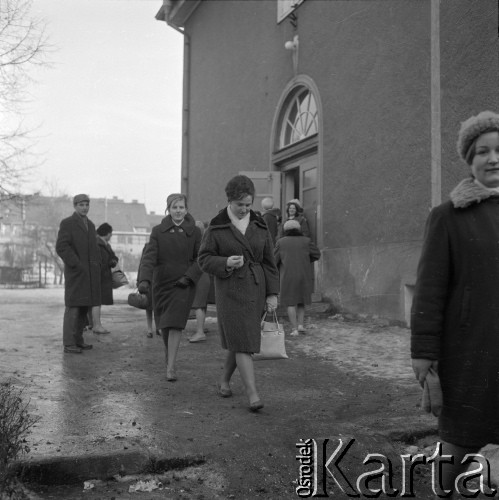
294,211
455,311
293,255
169,265
237,249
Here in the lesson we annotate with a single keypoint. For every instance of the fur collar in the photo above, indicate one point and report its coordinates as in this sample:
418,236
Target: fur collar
467,192
223,219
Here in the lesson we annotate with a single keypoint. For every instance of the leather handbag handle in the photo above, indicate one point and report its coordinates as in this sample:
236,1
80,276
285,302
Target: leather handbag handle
274,317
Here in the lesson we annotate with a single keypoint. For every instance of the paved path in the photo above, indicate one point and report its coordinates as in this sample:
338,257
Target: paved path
350,379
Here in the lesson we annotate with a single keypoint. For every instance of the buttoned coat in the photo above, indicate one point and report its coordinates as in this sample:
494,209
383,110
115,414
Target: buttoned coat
293,255
77,247
172,253
108,260
455,312
240,294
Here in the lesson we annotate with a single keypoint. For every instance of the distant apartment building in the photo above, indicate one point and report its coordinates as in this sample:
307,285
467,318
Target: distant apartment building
29,226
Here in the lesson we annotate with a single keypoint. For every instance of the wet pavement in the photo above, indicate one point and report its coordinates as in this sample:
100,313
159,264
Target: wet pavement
111,412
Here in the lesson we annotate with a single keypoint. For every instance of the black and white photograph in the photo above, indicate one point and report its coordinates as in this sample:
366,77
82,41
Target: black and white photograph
249,249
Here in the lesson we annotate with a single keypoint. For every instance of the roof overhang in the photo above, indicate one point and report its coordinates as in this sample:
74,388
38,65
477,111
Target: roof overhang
177,12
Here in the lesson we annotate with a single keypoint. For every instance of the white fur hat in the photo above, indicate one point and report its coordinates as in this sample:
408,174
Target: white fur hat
291,224
486,121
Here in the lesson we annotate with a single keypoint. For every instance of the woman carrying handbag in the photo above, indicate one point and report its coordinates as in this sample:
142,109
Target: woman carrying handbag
237,249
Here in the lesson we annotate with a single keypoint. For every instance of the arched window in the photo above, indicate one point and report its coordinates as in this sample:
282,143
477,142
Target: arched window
299,119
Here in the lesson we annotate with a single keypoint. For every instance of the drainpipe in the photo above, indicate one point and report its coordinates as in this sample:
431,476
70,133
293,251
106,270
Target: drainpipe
436,137
185,98
186,114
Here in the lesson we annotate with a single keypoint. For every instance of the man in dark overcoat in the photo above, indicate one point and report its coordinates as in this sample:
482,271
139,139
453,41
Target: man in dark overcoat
272,217
77,247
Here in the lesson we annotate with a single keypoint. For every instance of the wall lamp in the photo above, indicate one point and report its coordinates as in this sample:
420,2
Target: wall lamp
293,46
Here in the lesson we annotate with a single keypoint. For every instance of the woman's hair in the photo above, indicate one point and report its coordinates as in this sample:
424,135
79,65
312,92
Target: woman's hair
239,187
293,232
470,154
104,229
174,197
298,208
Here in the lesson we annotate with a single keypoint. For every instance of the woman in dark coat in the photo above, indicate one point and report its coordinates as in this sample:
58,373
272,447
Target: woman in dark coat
455,313
200,303
237,250
170,264
293,254
149,308
108,260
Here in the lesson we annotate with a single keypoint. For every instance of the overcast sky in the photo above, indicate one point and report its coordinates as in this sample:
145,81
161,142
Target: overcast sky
109,108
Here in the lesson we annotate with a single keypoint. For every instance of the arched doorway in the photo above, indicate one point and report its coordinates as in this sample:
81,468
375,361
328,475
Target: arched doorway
295,169
296,149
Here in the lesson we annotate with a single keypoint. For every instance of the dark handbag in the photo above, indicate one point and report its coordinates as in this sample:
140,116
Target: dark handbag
272,343
138,300
119,278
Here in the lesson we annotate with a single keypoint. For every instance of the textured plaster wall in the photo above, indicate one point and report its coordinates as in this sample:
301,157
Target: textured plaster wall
238,69
470,74
371,63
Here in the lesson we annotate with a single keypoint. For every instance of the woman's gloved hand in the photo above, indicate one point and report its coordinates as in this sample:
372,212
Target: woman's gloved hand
421,366
271,302
144,286
184,282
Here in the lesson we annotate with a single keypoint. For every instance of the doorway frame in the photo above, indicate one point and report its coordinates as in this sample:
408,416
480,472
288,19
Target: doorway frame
280,159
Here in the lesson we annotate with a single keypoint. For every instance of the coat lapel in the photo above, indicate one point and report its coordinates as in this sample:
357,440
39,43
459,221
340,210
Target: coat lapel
79,222
242,239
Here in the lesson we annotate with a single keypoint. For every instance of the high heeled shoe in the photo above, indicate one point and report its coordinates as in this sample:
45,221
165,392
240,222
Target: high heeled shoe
255,406
171,375
223,393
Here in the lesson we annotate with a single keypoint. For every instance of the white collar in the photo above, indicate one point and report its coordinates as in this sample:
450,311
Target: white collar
241,224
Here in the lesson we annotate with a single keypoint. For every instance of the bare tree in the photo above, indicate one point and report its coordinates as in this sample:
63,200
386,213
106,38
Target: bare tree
23,44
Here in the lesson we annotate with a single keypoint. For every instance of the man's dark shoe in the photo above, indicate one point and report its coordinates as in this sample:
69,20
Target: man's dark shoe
85,346
72,349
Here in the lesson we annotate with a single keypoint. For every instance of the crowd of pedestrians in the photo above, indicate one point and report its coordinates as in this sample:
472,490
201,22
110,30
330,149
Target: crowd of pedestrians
258,260
243,253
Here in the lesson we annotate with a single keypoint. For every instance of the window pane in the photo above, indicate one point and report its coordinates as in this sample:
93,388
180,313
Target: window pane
310,178
299,119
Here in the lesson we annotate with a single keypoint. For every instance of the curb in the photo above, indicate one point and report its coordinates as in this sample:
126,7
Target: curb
77,469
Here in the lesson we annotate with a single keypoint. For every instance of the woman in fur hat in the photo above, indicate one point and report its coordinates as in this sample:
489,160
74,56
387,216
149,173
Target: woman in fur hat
455,312
293,254
294,211
169,265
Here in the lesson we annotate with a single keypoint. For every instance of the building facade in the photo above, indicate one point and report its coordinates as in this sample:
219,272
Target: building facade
350,106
